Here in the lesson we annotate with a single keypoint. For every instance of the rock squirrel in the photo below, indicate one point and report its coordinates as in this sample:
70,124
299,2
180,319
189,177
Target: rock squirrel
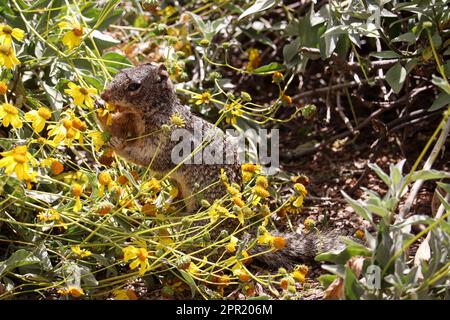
145,100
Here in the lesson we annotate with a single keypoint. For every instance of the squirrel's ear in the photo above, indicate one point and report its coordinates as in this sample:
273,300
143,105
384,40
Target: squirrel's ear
162,67
162,73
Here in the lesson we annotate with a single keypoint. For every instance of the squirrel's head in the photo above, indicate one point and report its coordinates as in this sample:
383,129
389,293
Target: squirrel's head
145,87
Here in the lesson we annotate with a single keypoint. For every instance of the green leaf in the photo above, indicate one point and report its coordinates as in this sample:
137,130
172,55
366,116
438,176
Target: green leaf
115,62
359,209
103,41
429,175
396,77
269,68
342,256
406,37
258,6
291,50
380,173
352,287
326,279
441,83
18,259
190,281
259,298
442,100
388,54
54,97
199,22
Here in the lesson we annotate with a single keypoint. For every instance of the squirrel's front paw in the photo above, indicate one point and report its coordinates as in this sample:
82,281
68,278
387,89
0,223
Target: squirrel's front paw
116,143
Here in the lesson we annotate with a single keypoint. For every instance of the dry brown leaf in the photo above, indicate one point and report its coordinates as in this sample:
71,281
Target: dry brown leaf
356,264
335,291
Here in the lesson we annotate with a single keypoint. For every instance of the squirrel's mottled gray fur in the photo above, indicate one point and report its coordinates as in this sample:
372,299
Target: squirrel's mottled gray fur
145,100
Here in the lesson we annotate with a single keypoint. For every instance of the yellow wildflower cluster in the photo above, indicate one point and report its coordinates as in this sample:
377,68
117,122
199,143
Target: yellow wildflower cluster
7,52
69,128
249,170
265,238
38,118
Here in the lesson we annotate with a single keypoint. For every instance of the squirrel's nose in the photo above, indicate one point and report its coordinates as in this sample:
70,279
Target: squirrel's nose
105,95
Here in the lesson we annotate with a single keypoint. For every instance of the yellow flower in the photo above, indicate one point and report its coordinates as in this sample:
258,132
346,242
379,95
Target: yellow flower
203,98
104,180
300,272
265,238
49,215
278,243
64,130
301,193
73,291
177,120
77,190
261,192
73,37
249,170
216,211
97,139
287,100
79,124
238,201
7,33
254,59
82,253
18,160
360,234
56,167
277,77
81,95
102,113
262,182
10,115
8,57
153,185
240,272
309,224
3,87
31,178
232,110
232,190
140,256
125,294
231,246
38,117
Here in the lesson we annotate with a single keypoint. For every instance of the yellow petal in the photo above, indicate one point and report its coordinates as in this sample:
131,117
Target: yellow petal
20,172
18,34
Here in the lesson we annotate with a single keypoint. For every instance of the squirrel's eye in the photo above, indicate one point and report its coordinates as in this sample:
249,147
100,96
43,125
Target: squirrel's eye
161,78
133,86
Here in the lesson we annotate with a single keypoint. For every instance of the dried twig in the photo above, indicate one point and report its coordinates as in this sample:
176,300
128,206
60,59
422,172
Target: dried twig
407,98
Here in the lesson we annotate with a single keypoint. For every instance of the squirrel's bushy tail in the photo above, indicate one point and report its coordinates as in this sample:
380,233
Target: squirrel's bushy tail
301,248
